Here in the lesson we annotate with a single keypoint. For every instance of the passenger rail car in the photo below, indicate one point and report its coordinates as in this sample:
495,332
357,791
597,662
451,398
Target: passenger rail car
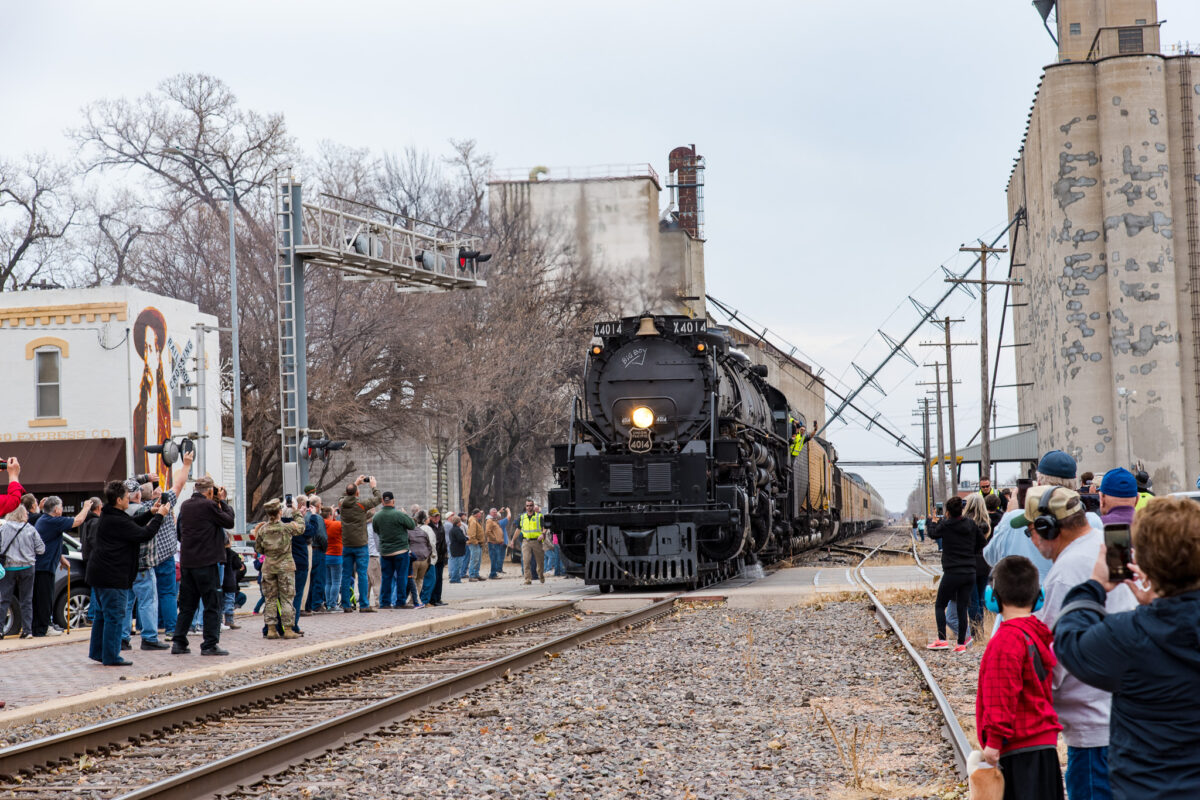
678,466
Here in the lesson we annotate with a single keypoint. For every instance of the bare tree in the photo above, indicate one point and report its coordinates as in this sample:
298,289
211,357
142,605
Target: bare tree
37,207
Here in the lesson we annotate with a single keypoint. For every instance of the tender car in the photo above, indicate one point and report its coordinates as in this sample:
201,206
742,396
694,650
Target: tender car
71,597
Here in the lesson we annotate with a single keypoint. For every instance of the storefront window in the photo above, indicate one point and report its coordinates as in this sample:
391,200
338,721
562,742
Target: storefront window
47,365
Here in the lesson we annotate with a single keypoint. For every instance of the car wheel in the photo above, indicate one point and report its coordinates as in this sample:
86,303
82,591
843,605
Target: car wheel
10,622
76,606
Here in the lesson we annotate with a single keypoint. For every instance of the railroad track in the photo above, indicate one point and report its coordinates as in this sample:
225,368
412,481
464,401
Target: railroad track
213,744
950,728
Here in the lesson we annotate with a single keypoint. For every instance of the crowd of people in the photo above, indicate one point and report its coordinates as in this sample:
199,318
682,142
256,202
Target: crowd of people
154,563
1107,659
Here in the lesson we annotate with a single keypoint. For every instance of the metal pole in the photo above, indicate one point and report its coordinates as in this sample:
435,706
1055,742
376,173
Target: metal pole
941,451
928,473
950,411
239,457
201,401
985,441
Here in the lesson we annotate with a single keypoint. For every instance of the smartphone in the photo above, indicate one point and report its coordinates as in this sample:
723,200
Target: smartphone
287,500
1120,551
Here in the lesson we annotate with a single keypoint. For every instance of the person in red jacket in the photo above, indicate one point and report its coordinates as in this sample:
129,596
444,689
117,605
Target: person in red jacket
12,498
1014,710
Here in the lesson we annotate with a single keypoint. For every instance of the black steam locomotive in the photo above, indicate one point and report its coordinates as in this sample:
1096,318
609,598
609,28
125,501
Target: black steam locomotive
678,467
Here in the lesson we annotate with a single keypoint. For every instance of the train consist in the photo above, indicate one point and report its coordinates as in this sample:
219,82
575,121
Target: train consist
678,467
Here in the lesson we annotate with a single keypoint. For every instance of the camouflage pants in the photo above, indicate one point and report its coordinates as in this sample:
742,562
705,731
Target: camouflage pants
278,591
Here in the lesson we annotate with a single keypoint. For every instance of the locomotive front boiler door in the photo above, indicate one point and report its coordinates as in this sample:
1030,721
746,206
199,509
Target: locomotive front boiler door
640,440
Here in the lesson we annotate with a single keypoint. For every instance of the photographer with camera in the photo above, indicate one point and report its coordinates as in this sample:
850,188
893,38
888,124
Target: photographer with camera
12,497
203,518
51,526
156,597
355,552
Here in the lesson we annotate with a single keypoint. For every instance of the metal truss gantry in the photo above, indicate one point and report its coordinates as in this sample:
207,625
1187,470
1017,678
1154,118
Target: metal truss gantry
360,248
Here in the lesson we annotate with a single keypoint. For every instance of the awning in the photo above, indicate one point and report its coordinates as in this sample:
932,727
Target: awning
76,465
1021,446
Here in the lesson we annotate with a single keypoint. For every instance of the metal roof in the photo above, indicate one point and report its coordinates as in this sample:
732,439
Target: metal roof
1021,446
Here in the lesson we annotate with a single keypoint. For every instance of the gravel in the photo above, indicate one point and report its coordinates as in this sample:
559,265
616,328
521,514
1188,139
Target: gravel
126,706
708,703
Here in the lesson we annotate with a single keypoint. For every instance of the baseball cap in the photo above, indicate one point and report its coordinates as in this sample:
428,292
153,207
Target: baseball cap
131,485
1119,482
433,512
1057,464
389,496
1064,503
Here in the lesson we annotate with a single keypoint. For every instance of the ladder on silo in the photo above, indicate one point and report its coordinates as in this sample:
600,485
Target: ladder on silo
285,295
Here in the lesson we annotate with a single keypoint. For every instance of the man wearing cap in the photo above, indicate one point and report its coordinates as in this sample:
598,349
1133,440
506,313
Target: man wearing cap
1118,496
355,552
393,526
274,540
1055,520
203,518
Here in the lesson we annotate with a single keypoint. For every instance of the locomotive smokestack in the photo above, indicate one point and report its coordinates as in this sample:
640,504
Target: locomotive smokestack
687,189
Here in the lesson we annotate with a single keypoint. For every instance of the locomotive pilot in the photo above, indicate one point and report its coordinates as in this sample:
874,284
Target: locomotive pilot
274,541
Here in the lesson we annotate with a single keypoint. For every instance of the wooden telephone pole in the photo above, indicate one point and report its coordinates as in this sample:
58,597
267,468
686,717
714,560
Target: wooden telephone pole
945,324
985,406
941,450
926,472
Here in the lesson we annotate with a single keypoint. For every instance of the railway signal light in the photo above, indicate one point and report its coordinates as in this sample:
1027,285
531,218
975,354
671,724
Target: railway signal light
319,448
471,259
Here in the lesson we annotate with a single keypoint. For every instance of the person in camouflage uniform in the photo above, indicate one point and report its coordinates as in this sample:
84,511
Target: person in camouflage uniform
274,541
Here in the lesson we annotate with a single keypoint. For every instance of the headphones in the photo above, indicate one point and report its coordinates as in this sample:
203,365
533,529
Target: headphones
1045,523
993,605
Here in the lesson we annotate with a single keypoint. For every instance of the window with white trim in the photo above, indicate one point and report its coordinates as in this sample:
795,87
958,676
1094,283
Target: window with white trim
48,367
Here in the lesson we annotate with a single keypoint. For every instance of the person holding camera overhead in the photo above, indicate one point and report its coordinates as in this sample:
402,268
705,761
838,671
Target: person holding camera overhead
355,552
274,540
203,518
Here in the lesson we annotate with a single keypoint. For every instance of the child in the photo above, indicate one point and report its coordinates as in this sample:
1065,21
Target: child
1014,713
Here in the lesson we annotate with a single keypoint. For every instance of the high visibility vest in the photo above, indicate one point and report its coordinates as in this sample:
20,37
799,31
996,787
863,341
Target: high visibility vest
531,525
797,444
1143,498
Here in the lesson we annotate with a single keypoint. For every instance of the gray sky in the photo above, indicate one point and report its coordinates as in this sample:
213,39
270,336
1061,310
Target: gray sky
852,146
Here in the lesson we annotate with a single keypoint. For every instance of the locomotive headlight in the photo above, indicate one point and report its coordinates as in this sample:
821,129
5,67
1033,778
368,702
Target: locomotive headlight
642,417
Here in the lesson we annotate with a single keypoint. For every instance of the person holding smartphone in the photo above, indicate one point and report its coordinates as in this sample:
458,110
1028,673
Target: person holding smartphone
1147,658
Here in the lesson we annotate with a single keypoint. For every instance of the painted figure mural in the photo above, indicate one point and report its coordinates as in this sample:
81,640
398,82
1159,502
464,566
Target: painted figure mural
152,414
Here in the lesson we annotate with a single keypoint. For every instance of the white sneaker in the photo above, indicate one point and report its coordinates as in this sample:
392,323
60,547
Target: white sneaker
224,627
52,631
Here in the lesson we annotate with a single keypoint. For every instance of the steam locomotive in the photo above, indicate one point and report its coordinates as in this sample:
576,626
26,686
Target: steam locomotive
678,468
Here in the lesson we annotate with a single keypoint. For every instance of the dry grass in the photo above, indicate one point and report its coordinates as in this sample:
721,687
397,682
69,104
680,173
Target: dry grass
851,747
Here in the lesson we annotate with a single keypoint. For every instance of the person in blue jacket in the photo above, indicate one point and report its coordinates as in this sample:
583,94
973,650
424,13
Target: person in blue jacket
1148,658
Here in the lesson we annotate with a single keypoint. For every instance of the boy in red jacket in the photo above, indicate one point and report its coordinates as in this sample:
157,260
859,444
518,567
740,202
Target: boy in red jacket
1014,713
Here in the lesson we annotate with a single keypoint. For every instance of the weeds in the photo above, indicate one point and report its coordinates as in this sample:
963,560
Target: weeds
852,751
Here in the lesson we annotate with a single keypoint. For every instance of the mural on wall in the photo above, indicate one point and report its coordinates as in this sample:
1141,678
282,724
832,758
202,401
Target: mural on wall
152,414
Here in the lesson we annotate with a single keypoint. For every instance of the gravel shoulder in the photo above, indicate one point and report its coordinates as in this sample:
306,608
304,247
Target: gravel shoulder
812,702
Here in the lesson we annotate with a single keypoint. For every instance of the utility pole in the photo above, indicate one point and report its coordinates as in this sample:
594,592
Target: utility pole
945,324
926,472
985,406
941,450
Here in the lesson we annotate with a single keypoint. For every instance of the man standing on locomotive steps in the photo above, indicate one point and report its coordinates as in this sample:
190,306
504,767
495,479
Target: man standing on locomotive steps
274,541
531,543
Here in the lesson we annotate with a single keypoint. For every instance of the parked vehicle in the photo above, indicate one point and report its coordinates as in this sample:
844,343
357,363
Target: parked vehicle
73,602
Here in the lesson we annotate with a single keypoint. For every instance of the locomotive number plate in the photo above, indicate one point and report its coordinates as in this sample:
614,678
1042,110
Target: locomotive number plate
687,326
605,329
640,440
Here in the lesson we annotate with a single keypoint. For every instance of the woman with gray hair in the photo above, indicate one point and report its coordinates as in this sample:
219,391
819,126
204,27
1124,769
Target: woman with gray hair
19,548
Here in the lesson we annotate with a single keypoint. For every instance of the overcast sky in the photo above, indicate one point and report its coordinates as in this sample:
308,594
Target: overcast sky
852,146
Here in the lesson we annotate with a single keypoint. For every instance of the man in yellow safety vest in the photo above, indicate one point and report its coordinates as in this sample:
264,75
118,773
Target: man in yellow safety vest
798,438
531,543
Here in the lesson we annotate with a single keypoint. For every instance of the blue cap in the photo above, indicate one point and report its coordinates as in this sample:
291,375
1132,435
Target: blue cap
1057,464
1119,482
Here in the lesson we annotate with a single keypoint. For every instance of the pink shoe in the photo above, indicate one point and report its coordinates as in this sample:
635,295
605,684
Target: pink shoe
960,648
940,644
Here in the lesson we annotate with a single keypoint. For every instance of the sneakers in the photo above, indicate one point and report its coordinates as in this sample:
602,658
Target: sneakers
155,645
52,631
940,644
224,627
415,608
960,648
969,640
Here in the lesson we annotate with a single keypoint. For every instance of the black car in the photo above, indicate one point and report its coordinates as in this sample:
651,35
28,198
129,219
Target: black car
71,597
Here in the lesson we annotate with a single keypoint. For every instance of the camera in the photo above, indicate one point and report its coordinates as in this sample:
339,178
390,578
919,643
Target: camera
146,478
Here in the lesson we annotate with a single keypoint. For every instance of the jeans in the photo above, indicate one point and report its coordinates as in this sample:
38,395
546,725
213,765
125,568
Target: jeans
145,592
411,593
333,580
1087,773
16,587
111,606
496,557
458,568
354,562
475,554
316,591
427,584
199,585
298,600
395,580
438,570
168,594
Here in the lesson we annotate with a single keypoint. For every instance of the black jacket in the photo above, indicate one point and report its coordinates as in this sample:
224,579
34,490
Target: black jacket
1149,658
235,568
458,542
113,555
200,529
962,541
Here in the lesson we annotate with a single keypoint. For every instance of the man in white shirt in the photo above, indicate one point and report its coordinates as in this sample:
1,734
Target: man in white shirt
1055,520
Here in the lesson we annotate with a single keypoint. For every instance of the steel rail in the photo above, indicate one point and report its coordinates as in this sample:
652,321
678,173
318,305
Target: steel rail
103,736
951,729
270,757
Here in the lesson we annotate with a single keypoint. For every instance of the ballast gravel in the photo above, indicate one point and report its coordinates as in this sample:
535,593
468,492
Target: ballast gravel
709,703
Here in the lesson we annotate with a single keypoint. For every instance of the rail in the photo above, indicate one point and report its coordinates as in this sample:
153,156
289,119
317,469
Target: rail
951,728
